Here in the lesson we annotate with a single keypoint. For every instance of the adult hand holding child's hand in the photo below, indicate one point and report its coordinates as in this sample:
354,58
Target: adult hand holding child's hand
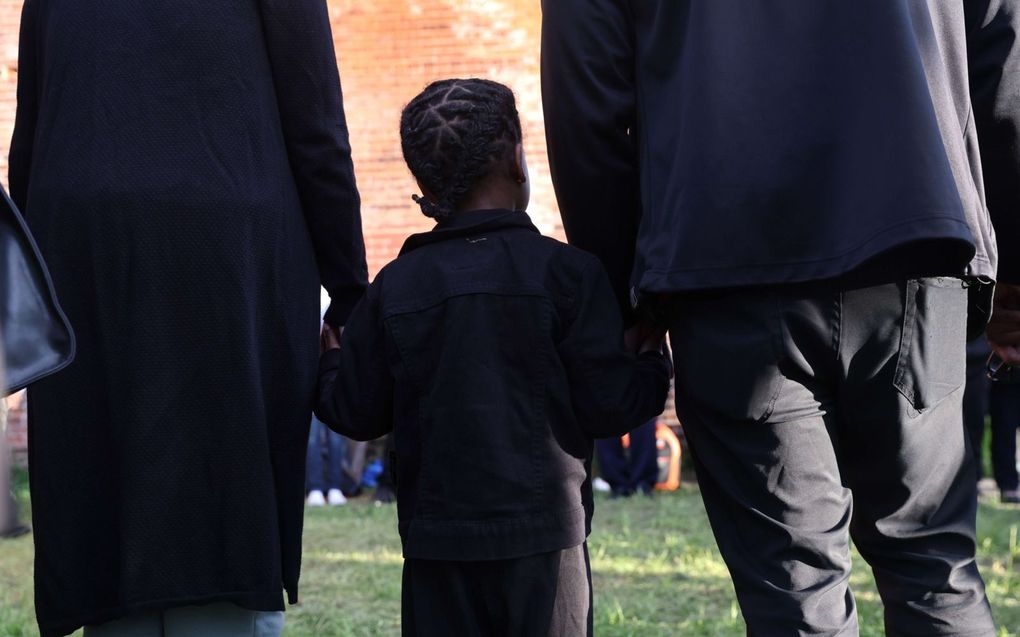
329,338
644,337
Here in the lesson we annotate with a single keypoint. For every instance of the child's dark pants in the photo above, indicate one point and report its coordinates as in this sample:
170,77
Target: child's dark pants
536,596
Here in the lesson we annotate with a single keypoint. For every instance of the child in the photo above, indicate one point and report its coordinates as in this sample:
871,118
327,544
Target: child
495,355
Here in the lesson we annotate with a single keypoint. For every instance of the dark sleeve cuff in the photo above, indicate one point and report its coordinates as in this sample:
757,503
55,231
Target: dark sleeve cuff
660,361
341,304
329,361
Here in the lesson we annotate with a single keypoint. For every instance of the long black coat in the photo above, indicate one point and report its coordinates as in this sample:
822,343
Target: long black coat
183,165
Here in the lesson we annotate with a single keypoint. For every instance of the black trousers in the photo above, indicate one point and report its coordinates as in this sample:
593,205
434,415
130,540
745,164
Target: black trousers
1005,405
536,596
816,414
976,397
636,471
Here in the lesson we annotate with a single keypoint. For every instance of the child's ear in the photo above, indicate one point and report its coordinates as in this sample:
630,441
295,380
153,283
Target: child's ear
519,170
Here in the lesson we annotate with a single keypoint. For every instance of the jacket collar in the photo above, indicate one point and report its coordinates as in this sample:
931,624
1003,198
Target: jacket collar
468,224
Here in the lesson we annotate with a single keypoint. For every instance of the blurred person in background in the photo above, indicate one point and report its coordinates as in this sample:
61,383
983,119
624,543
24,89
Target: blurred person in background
975,399
1005,413
326,452
10,527
631,470
185,168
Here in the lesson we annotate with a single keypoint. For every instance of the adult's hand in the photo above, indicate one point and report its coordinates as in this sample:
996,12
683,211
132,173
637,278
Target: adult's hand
1004,326
329,338
644,337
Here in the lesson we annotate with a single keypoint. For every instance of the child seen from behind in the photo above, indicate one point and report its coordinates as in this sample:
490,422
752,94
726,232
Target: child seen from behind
495,356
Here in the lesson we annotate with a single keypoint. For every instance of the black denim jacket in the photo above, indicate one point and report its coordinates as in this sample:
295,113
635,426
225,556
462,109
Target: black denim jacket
495,355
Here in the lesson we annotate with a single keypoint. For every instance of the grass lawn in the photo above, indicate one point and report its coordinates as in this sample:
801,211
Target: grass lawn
656,570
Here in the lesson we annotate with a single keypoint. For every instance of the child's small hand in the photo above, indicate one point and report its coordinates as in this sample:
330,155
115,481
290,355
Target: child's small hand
644,337
329,338
653,341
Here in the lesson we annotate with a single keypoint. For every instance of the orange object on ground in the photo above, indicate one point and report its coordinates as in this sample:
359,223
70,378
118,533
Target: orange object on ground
668,455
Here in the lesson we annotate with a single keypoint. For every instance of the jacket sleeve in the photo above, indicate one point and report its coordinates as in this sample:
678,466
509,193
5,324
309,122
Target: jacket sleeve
994,58
612,391
20,157
355,384
300,45
588,97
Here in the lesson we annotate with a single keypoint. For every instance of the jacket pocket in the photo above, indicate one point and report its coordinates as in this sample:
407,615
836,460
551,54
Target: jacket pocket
931,363
728,352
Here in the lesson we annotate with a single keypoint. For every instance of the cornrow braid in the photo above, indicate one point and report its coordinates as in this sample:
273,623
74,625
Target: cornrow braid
452,134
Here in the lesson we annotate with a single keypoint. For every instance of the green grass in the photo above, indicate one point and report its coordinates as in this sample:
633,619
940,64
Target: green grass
656,571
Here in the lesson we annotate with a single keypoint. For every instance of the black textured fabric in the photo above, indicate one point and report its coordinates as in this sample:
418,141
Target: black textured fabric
720,144
183,166
544,595
994,62
839,418
495,355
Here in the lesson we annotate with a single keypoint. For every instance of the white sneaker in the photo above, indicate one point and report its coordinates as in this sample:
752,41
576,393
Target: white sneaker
600,485
335,497
315,499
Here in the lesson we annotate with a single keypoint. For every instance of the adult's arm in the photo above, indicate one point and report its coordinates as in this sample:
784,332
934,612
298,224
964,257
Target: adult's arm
612,390
589,102
300,43
994,57
355,384
994,54
20,157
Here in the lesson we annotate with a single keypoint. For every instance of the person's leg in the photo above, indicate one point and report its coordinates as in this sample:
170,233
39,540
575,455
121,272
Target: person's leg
221,620
1005,410
751,395
644,458
546,595
571,614
904,454
613,465
385,489
336,446
314,459
139,625
975,398
440,598
9,525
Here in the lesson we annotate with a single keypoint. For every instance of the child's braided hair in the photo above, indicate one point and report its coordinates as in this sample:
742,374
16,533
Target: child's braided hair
453,133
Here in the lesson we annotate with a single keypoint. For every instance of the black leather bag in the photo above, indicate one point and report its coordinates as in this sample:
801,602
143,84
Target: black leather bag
35,337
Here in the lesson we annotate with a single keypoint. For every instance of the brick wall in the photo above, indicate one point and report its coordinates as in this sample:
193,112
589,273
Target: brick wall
388,51
10,14
17,435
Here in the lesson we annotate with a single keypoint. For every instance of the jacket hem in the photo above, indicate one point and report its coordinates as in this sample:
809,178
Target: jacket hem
495,540
949,231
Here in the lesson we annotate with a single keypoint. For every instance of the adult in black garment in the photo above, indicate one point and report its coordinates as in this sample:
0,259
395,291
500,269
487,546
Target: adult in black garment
797,190
185,168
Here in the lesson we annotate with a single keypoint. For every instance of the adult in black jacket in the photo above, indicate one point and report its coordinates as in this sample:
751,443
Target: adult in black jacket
796,189
185,169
